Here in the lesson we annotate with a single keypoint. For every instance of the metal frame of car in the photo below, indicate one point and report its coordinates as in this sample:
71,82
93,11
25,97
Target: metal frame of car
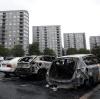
83,75
35,66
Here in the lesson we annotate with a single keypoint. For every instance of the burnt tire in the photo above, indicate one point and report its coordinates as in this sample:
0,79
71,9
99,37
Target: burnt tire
86,83
42,74
91,81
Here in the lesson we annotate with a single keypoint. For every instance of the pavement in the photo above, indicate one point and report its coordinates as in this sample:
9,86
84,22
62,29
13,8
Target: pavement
91,94
95,94
15,88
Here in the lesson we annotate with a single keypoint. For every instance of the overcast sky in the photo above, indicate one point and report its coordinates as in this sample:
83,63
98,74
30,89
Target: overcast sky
72,15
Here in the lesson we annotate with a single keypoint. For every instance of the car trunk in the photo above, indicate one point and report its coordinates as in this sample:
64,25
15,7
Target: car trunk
23,65
4,63
62,70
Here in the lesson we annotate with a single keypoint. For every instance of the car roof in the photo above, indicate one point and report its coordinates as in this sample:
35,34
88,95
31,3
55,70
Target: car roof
15,58
29,56
75,55
36,55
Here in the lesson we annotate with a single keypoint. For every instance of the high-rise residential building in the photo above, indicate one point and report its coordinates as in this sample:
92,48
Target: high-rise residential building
14,28
94,41
48,37
74,40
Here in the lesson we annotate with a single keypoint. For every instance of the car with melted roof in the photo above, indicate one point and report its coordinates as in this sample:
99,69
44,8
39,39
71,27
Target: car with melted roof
74,71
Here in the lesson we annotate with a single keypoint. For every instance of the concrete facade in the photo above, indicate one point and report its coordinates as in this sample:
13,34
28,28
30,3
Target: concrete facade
14,28
48,37
74,40
94,41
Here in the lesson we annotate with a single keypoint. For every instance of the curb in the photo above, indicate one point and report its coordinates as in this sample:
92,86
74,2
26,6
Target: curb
87,95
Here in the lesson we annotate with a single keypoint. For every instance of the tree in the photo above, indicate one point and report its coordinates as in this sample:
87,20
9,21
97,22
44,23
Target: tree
96,51
17,51
34,49
63,52
1,50
83,51
71,51
48,51
4,51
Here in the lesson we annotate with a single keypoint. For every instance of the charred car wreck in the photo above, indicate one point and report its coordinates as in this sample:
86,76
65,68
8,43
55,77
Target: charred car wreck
29,65
73,71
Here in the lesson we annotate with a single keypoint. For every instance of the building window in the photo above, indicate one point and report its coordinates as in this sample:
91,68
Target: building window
20,41
21,22
21,30
21,26
21,19
21,12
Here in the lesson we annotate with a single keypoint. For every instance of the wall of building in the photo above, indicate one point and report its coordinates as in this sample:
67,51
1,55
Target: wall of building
74,40
48,37
94,41
14,28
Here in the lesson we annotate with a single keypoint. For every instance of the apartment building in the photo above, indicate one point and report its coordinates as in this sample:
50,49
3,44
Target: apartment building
14,28
94,41
74,40
48,37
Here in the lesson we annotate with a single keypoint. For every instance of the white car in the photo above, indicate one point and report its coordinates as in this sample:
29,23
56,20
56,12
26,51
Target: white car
9,65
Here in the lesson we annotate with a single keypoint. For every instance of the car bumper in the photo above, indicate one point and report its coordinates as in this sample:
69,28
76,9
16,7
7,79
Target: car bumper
61,84
7,69
23,71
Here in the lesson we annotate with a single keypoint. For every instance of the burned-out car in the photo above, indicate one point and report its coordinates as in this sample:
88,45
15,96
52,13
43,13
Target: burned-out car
29,65
73,71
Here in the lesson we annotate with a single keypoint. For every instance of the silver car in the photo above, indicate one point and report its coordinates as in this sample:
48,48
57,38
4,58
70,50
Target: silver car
73,71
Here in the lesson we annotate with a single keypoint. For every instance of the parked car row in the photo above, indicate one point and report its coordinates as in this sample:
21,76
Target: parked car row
26,66
62,72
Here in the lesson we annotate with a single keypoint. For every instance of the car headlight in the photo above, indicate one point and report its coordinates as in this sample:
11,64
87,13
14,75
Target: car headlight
90,73
78,75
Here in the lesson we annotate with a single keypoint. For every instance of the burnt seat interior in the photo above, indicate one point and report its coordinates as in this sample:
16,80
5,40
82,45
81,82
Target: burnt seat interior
26,59
63,69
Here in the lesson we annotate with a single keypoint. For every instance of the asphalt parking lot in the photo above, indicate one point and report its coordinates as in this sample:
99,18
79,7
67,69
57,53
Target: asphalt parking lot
15,88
